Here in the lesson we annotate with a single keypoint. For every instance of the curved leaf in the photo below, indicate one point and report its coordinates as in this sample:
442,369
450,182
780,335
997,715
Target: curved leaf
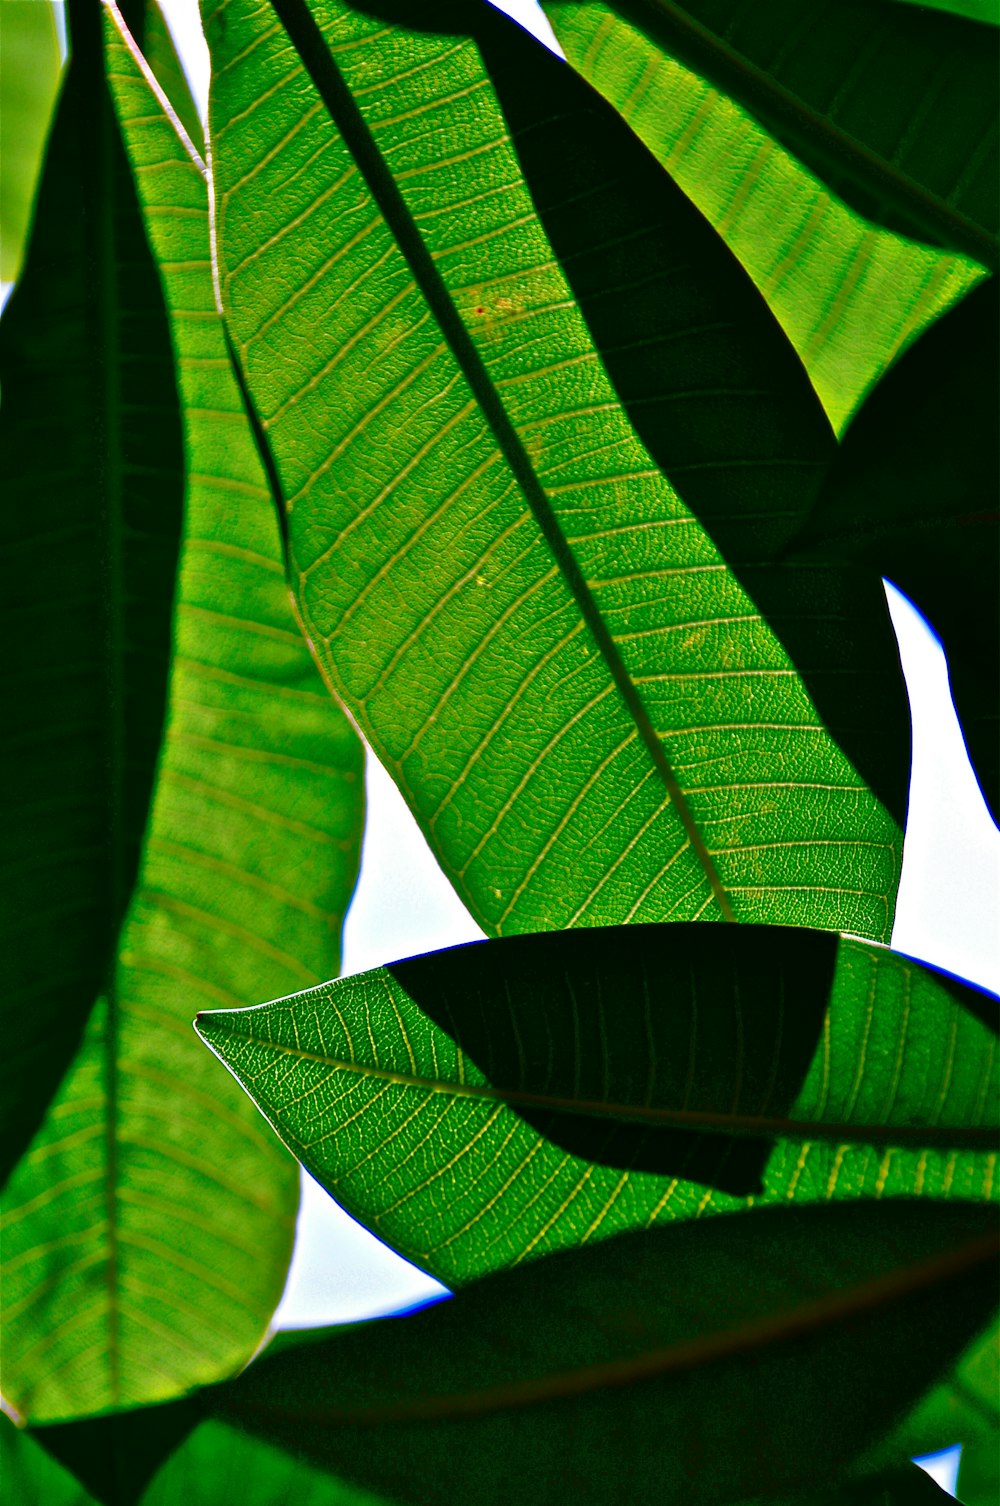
895,106
91,451
496,1101
848,294
590,716
148,1229
714,1362
914,493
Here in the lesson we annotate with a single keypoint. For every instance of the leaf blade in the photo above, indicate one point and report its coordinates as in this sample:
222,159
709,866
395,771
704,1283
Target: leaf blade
144,1175
474,1063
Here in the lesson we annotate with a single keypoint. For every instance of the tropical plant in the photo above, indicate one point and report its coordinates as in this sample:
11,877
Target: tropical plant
552,424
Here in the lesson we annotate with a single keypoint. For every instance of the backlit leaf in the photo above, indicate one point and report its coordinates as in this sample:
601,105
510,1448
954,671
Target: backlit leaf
148,1229
895,106
493,1102
849,294
591,716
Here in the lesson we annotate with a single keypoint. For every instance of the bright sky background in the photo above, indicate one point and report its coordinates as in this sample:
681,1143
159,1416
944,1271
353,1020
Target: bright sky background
948,909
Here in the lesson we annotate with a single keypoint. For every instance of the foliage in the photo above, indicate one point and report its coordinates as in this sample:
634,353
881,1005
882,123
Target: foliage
551,424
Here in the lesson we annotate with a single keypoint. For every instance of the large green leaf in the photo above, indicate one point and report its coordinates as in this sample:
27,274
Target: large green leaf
731,1358
895,106
29,79
149,1227
590,716
914,493
848,293
497,1101
92,456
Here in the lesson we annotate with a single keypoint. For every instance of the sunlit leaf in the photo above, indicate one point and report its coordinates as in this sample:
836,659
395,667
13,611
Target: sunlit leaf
895,106
736,1357
492,1102
593,719
849,294
30,65
148,1229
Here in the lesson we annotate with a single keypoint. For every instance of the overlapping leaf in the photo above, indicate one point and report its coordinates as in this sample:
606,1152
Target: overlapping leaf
896,106
728,1359
915,493
964,1406
91,452
148,1229
487,1104
849,294
204,1470
592,718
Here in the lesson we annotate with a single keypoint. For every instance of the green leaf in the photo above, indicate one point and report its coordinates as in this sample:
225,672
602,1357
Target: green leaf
848,294
590,716
894,106
964,1407
902,1485
212,1463
30,66
149,1227
158,49
492,1102
92,455
914,494
975,10
719,1360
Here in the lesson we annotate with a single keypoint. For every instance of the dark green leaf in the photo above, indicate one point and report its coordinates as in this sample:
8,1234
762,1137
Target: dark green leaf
115,1457
92,456
894,105
495,1101
736,1357
905,1485
964,1407
148,1229
214,1466
914,493
590,715
848,293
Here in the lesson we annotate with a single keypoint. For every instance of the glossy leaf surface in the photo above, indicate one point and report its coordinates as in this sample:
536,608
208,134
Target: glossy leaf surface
91,452
849,294
493,1102
149,1227
707,1363
895,106
590,716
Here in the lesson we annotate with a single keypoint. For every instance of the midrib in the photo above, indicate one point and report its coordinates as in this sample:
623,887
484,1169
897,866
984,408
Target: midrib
329,83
